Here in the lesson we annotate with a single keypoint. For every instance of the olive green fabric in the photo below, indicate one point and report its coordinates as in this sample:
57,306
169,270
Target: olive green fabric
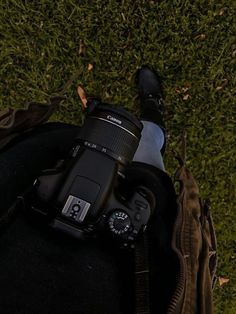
194,242
15,121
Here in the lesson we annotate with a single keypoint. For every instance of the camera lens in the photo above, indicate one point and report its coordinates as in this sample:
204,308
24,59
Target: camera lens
112,131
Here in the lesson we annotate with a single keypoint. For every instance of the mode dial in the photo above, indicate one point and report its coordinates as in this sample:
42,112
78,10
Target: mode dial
119,222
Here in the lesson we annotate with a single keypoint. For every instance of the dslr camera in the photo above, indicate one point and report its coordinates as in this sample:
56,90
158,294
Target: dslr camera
86,193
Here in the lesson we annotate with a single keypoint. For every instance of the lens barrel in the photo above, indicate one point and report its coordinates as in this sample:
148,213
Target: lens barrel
113,131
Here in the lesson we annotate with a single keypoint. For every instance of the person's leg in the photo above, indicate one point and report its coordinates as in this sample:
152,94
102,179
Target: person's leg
152,144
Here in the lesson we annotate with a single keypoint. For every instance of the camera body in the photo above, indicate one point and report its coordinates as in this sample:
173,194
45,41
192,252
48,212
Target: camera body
86,193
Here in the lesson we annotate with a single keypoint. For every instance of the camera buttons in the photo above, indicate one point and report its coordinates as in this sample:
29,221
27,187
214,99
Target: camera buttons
76,208
138,217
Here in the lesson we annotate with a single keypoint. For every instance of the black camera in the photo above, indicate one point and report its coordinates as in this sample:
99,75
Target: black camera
86,193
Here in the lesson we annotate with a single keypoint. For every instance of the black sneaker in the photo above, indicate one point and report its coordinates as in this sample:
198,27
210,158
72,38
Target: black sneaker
151,98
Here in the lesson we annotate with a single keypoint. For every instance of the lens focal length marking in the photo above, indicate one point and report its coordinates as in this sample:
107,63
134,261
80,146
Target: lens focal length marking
119,126
104,150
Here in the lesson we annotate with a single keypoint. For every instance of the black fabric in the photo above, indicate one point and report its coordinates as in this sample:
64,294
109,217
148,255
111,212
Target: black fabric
22,160
46,272
42,272
163,262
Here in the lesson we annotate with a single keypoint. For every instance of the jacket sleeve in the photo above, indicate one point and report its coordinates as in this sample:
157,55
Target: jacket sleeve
15,121
194,243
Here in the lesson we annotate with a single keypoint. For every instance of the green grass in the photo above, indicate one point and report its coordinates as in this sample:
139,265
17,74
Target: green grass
191,43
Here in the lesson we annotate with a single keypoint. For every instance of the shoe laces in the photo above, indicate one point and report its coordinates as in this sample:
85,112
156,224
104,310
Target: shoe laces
158,100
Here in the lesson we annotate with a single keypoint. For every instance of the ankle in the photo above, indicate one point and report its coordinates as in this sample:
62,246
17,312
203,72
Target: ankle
153,110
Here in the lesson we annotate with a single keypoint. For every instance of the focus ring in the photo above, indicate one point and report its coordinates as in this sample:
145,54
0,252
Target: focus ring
111,137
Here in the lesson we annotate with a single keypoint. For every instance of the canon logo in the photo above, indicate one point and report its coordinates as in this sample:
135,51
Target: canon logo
114,119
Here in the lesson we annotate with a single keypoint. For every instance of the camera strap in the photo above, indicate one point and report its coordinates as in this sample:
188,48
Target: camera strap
142,293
